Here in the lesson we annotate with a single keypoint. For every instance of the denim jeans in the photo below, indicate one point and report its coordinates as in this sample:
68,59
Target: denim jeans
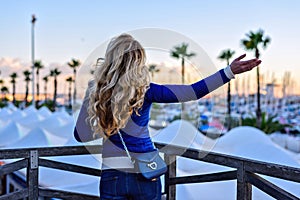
121,185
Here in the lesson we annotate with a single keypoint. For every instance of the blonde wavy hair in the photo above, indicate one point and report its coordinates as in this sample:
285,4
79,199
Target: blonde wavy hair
120,84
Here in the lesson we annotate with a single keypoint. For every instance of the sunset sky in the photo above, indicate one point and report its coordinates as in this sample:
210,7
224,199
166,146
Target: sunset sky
73,29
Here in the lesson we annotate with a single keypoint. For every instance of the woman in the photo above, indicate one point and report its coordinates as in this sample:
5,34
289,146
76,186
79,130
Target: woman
119,100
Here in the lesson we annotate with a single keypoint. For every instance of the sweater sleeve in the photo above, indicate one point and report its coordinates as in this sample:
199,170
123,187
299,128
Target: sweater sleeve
183,93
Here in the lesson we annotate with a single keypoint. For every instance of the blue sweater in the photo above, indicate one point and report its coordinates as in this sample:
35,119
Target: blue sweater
136,133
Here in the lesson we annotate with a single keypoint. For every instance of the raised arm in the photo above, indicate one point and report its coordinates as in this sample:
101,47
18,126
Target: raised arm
183,93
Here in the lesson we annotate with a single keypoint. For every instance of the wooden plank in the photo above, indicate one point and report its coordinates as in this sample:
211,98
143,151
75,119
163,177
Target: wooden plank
14,166
244,188
15,195
32,176
269,187
171,173
72,150
51,151
2,184
65,195
13,153
204,178
69,167
274,170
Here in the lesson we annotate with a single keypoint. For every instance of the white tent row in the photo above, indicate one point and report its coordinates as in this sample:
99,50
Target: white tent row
290,142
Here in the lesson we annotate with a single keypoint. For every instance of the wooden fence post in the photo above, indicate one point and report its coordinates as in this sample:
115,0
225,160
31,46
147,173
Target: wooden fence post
171,173
244,189
33,175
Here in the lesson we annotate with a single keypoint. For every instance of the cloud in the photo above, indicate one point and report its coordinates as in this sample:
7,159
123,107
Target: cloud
10,65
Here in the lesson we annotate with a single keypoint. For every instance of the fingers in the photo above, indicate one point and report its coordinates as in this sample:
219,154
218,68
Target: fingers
250,64
254,64
240,57
248,61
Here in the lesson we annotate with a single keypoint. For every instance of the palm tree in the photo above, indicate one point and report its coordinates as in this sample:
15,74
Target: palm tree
54,73
227,55
1,82
38,65
74,64
70,80
180,52
45,79
4,91
27,80
153,69
252,43
13,77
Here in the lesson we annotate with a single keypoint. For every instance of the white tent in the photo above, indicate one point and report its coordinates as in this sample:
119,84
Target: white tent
183,133
44,111
35,138
30,109
11,132
38,137
16,115
31,120
64,116
51,122
249,142
63,131
4,112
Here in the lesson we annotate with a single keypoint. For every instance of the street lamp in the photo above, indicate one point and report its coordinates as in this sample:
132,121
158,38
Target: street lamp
33,19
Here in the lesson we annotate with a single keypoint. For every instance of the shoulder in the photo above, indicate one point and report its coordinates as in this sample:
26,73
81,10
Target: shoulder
153,87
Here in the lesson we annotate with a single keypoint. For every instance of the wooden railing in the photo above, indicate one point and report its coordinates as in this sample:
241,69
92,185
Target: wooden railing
247,172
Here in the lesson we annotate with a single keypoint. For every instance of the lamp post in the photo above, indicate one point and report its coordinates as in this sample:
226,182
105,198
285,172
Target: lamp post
32,56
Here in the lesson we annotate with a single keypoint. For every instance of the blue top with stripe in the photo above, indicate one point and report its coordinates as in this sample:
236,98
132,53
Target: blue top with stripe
136,133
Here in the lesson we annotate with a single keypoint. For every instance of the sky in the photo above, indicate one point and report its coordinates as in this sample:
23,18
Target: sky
68,29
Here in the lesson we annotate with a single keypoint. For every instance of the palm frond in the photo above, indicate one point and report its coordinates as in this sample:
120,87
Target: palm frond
174,54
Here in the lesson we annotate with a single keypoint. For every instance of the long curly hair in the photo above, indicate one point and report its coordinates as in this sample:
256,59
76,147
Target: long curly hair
120,84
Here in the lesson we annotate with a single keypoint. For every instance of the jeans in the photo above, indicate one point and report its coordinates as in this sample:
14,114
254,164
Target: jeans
121,185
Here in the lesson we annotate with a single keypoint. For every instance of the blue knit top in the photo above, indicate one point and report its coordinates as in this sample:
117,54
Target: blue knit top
136,133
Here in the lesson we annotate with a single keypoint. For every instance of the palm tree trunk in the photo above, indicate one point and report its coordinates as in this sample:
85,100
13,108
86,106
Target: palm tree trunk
182,80
70,94
37,87
74,95
14,93
258,111
26,93
54,93
45,91
228,102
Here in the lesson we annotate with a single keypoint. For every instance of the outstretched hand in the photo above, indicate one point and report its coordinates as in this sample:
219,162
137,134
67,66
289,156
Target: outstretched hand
237,66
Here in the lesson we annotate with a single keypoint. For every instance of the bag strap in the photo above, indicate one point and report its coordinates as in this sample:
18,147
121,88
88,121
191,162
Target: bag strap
125,147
